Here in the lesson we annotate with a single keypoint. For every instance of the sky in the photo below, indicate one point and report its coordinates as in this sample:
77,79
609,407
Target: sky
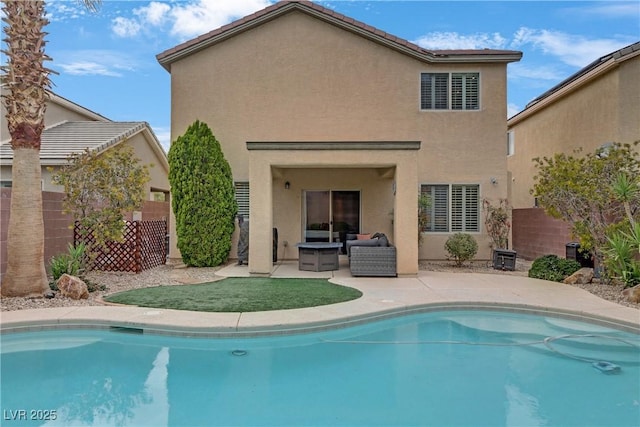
106,60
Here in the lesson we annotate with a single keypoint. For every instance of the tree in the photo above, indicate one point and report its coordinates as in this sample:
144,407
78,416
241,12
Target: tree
203,197
100,187
27,80
579,190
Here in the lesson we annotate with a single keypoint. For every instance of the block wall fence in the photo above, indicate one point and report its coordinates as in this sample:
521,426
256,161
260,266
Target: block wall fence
58,227
535,234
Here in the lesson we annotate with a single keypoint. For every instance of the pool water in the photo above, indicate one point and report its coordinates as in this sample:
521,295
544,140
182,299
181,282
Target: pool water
448,368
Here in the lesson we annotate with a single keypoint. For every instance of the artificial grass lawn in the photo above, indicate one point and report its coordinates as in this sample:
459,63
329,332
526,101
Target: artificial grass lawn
240,294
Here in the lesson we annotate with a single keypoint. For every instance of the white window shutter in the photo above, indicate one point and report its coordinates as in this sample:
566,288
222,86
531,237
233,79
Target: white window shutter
242,198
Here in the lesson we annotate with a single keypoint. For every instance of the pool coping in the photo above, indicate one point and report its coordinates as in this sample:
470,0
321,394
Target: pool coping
382,298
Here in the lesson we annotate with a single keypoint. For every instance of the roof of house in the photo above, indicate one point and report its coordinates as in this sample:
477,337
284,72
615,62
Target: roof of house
269,13
592,70
65,103
64,139
54,97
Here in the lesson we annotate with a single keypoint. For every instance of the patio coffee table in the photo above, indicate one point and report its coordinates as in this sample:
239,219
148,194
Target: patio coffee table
318,256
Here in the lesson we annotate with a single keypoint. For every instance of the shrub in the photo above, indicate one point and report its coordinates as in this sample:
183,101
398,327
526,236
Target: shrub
99,187
497,223
203,197
73,262
461,247
551,267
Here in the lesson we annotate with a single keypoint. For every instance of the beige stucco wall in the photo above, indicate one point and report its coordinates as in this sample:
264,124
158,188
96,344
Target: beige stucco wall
158,171
604,109
299,79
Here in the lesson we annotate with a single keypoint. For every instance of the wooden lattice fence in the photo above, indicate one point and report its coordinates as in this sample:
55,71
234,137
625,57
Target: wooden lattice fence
143,247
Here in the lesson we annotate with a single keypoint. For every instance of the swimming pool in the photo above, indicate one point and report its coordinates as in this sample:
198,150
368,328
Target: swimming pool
451,368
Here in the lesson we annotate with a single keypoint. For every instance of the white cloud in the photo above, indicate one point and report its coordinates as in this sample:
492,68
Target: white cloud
125,27
155,13
62,10
520,70
202,16
574,50
185,19
453,40
95,62
85,68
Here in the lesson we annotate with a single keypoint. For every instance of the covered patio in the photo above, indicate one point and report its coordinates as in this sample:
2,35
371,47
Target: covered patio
284,174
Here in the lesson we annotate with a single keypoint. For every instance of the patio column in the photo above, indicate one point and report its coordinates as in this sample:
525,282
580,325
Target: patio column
260,216
406,215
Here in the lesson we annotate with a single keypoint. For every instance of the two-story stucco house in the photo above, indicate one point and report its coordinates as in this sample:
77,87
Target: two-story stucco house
330,124
597,105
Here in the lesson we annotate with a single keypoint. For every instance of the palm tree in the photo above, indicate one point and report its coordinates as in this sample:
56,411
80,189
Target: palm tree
27,81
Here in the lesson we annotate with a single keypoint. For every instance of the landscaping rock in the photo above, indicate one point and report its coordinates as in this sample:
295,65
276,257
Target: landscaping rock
580,277
72,287
633,294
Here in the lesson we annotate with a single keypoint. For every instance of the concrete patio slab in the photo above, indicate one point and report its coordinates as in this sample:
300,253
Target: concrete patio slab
382,297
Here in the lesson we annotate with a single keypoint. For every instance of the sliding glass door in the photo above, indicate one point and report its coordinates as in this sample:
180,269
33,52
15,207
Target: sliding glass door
330,214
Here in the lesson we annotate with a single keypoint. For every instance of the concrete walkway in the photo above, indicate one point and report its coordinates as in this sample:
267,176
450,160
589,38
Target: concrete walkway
382,297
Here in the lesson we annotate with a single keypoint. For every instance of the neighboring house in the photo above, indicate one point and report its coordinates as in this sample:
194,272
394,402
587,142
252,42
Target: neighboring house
59,109
597,105
331,125
70,129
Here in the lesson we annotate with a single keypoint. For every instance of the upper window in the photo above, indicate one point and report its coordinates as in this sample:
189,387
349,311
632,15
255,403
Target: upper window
450,91
452,208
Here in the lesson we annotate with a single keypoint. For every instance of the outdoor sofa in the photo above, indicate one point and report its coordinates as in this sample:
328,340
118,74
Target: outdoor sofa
372,257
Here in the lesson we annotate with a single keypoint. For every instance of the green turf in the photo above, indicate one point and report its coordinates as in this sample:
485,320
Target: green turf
238,294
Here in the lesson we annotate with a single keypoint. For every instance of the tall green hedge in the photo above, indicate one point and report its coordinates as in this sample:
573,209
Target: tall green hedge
203,197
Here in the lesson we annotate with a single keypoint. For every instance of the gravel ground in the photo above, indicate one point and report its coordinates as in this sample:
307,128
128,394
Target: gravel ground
176,276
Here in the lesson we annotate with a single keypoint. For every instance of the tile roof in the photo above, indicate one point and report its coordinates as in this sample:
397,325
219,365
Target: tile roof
60,141
278,9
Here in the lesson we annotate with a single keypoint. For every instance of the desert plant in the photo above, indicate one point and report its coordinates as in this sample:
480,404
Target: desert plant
461,247
554,268
497,223
623,242
72,262
203,197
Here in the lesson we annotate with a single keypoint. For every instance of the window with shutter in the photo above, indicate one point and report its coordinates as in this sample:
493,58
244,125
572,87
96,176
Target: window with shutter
434,91
454,208
460,90
242,198
471,208
437,211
